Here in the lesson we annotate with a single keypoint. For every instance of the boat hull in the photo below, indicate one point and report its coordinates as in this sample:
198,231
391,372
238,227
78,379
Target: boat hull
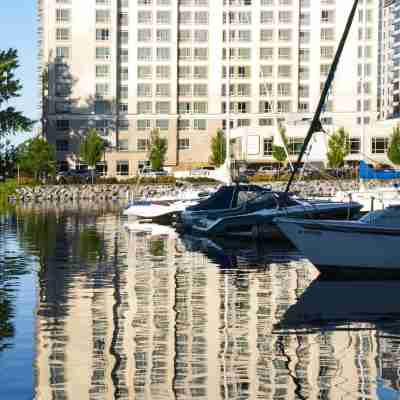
335,247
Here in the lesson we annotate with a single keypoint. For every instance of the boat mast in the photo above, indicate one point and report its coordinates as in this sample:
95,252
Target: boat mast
316,123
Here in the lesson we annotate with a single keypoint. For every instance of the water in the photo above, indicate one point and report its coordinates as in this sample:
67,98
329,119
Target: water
91,311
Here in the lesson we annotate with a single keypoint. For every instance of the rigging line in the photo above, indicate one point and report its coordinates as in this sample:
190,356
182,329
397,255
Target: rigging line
316,123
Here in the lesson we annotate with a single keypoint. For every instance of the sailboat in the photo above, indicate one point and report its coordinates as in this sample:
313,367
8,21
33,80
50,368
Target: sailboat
255,218
368,245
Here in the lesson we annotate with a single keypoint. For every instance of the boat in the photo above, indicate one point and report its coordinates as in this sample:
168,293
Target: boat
370,244
255,218
373,198
164,206
226,198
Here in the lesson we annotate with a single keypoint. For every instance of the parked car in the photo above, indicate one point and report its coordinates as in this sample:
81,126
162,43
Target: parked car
267,170
150,173
202,172
75,175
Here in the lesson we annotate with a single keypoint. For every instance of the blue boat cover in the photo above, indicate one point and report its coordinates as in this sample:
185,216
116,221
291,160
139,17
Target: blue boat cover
366,171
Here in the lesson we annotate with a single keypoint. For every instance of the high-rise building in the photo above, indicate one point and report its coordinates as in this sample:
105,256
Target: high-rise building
126,67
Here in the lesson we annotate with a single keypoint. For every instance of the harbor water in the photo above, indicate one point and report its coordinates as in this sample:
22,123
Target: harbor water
91,310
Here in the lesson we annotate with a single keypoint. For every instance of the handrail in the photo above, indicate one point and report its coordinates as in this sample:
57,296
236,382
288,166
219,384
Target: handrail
316,123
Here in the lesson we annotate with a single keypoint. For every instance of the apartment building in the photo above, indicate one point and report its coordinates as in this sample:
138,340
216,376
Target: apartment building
187,67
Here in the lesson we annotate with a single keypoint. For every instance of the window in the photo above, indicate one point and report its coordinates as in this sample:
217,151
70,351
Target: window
62,124
184,144
123,145
103,16
63,34
63,52
142,144
200,124
295,145
143,124
62,145
355,145
379,145
102,34
103,53
144,107
268,147
162,124
122,168
63,107
102,89
63,15
102,71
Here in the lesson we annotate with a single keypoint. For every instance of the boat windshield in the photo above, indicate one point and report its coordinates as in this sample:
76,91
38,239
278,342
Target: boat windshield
267,200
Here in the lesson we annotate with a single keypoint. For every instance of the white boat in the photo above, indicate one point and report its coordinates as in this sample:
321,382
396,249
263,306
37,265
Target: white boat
371,243
164,206
371,199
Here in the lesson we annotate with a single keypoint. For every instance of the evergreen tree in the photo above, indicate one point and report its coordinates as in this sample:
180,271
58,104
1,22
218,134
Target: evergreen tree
218,148
36,156
92,149
158,150
338,148
11,121
394,146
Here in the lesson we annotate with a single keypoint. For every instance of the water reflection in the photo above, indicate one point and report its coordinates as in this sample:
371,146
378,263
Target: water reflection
11,268
129,315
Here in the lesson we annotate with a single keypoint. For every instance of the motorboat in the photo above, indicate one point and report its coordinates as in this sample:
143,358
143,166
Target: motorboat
255,218
226,198
369,244
372,198
164,206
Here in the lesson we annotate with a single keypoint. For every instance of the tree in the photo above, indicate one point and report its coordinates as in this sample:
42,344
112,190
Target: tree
338,148
36,156
158,150
92,149
278,152
394,146
218,148
11,121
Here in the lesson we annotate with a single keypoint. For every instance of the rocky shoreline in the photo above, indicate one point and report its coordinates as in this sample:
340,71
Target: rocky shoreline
63,193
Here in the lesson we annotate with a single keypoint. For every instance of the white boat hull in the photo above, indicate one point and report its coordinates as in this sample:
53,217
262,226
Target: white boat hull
344,245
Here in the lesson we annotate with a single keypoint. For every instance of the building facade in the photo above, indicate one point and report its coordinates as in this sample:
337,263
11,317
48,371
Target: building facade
186,67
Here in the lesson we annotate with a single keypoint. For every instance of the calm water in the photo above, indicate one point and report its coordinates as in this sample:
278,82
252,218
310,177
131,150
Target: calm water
90,311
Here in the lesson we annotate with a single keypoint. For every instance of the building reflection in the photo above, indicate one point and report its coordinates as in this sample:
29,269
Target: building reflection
153,318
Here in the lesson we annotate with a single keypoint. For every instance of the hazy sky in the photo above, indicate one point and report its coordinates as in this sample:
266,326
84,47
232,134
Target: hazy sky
18,30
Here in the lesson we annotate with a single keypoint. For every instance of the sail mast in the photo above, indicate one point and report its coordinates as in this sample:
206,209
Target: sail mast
316,124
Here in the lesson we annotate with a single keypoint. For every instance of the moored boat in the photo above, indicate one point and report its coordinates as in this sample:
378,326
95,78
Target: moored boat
370,244
255,219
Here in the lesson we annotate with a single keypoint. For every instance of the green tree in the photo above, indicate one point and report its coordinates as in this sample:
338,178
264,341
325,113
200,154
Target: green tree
338,148
218,148
394,146
158,150
11,121
278,152
91,149
36,156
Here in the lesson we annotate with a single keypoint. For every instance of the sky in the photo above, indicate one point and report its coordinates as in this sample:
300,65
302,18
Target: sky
18,30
